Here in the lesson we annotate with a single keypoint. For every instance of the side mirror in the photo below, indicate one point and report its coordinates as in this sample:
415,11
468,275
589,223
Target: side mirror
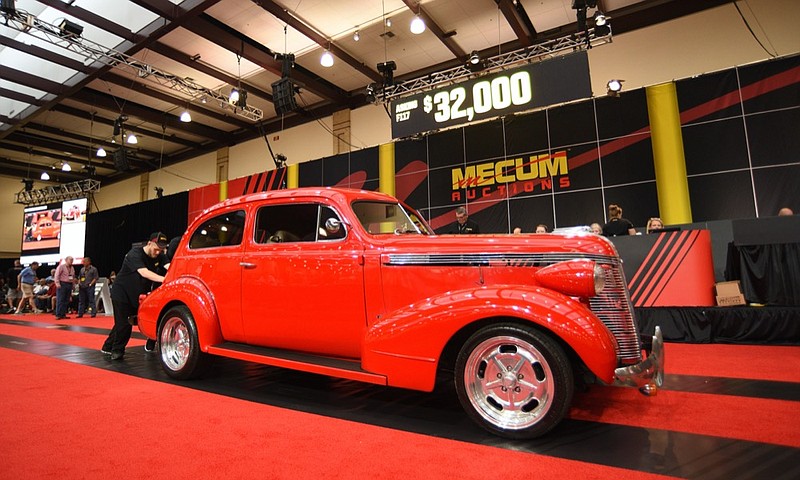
333,225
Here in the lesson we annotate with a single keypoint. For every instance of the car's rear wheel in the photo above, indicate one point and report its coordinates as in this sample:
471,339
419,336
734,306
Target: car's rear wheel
181,356
514,381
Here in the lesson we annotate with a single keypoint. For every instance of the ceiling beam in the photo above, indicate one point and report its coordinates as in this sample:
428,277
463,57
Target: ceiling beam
518,20
445,37
288,18
80,113
136,86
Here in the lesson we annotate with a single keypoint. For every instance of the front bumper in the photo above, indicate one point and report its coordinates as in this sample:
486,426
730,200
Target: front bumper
647,375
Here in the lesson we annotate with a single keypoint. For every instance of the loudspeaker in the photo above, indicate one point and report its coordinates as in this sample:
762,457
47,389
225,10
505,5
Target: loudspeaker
121,160
283,96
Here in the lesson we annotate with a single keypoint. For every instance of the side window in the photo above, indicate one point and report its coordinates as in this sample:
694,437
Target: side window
286,223
220,231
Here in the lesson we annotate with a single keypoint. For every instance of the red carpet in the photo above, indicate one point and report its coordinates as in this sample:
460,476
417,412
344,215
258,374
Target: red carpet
93,427
74,412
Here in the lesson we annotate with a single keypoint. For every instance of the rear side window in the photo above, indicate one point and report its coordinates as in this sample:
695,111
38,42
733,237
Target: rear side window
297,223
220,231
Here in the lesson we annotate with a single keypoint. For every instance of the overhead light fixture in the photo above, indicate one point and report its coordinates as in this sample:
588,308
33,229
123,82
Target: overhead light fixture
186,117
204,99
101,152
326,60
45,176
132,139
356,36
387,69
388,22
234,96
474,58
65,167
614,86
417,25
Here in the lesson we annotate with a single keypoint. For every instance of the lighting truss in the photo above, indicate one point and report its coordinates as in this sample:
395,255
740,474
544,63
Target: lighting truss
27,23
558,46
66,191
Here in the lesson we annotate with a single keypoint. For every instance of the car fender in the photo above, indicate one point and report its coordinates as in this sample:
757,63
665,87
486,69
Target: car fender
406,345
189,291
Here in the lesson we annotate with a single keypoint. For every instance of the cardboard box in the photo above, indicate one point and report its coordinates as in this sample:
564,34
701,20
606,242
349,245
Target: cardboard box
729,293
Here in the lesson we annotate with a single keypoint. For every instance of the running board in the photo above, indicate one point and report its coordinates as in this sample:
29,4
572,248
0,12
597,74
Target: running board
335,367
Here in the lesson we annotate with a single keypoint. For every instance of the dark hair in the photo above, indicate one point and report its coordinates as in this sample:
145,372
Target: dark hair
614,211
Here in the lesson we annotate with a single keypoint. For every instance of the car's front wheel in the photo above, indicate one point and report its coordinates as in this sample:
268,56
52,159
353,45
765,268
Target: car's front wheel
514,381
181,356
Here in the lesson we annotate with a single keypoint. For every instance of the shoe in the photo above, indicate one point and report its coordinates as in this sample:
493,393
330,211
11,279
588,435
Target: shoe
38,311
79,316
93,315
150,346
17,312
105,352
117,356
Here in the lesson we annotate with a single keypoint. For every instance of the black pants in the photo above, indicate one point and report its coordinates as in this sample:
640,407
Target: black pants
121,333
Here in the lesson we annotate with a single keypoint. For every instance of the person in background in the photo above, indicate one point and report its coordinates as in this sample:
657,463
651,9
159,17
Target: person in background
785,212
463,224
654,225
26,280
41,295
541,228
135,277
617,225
12,282
65,281
596,229
86,281
517,231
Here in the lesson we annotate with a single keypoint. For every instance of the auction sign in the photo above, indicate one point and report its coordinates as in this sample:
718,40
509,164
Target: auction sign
533,85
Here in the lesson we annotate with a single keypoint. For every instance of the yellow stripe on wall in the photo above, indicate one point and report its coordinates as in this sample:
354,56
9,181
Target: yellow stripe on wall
668,157
223,190
293,176
386,183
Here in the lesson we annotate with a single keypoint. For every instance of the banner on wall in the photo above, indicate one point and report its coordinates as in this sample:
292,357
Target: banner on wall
534,85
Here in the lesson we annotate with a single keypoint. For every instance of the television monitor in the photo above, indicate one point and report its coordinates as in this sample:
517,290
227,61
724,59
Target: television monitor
54,231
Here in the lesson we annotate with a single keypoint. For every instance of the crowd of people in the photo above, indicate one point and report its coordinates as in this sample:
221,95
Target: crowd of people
617,225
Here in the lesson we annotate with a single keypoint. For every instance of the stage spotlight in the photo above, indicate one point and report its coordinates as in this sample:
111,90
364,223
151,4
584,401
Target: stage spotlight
7,6
600,19
370,95
614,86
68,29
28,184
159,192
387,69
474,58
234,96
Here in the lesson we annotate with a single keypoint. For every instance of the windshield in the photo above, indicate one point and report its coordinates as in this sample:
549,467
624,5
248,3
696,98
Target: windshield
381,218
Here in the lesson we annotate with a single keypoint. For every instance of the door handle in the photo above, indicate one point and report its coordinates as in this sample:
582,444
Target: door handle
247,265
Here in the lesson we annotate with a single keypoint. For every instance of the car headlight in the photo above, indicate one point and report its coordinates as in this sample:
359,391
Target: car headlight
576,278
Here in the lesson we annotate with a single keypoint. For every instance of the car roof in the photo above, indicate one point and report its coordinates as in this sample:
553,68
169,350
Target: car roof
336,194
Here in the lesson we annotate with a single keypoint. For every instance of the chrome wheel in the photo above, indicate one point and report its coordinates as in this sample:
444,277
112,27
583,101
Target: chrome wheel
514,381
176,344
508,382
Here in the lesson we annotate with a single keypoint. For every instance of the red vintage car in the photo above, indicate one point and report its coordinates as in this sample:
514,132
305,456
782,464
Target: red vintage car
350,284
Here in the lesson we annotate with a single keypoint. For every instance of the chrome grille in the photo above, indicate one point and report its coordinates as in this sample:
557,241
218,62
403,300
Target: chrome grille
613,307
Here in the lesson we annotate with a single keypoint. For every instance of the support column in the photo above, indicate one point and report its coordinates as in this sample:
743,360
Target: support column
386,180
293,176
668,158
223,159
